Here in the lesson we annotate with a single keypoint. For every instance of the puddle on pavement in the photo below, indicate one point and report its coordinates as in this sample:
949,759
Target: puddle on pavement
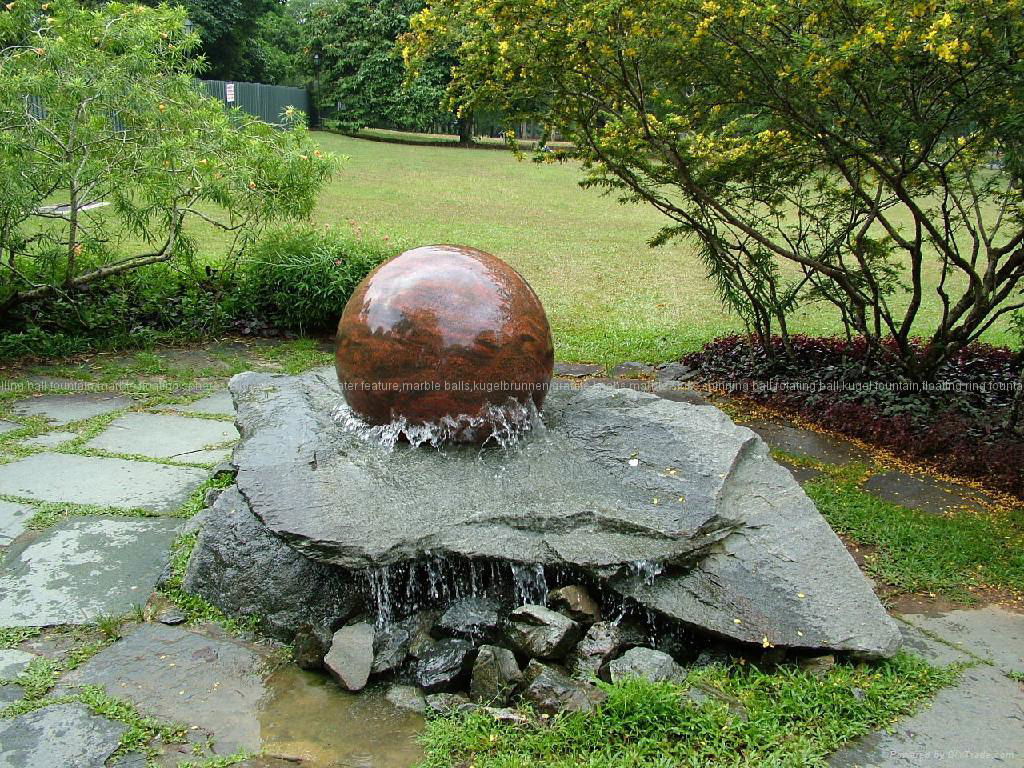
308,717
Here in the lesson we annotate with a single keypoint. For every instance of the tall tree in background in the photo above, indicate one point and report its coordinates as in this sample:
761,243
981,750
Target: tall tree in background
362,75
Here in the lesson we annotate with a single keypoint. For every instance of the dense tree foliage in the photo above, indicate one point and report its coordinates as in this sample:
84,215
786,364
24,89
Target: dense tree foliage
101,107
861,152
361,74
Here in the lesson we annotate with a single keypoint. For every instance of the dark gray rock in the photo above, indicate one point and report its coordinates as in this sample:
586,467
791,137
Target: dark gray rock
507,715
474,618
449,703
407,697
675,372
576,603
495,675
350,659
725,538
818,666
310,645
390,648
203,677
172,616
646,663
445,666
59,735
602,642
550,692
244,570
541,633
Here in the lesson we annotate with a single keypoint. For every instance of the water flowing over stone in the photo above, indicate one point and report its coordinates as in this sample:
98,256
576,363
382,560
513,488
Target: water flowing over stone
665,504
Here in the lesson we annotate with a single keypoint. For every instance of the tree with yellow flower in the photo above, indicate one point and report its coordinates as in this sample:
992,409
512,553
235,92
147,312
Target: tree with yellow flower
865,153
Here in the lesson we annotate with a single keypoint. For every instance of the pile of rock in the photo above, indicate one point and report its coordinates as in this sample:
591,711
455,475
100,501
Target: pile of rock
475,653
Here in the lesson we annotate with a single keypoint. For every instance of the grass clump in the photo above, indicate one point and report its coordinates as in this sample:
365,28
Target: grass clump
915,551
783,718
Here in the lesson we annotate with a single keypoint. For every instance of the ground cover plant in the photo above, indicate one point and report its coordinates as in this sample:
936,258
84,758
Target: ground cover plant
968,424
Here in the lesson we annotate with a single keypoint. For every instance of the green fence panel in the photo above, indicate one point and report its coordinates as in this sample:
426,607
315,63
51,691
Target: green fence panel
267,102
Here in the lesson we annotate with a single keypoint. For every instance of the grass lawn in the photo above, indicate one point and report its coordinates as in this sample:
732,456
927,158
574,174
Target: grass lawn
608,295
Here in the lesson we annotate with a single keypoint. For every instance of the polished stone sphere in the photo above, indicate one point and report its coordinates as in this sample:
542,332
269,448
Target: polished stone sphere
442,331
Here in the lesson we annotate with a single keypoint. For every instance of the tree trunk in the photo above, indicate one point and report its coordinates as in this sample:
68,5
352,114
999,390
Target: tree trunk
466,130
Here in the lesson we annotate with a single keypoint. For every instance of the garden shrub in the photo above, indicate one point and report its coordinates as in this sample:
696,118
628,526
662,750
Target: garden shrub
299,278
962,422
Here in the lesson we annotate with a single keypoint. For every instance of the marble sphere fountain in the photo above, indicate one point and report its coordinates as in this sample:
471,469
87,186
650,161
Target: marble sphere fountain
369,496
446,336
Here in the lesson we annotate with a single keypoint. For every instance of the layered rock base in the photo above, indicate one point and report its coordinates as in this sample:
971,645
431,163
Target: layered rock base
662,515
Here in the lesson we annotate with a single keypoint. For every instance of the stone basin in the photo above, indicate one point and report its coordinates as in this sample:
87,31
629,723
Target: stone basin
668,504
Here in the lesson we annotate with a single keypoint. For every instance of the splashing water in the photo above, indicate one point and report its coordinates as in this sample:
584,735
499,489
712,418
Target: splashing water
505,425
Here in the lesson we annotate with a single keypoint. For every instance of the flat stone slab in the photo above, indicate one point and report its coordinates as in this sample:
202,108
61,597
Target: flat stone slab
578,370
669,503
181,676
13,662
13,519
82,569
977,723
991,633
59,735
167,436
98,481
49,439
924,493
8,426
805,442
64,409
218,404
10,694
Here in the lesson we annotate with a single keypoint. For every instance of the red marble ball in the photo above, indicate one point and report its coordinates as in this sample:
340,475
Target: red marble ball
439,331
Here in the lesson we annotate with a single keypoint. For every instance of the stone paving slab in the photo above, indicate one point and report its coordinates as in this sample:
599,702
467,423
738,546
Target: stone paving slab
805,442
64,409
13,518
62,735
992,633
10,694
49,439
931,650
13,662
923,493
177,675
104,482
8,426
978,723
218,404
84,568
167,436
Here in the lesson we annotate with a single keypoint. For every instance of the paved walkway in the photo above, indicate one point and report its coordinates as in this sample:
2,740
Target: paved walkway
92,488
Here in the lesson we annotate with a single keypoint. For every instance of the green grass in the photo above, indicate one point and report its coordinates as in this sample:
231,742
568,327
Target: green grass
783,718
608,295
915,551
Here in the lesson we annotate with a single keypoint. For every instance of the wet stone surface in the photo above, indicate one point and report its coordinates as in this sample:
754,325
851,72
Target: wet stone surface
59,735
179,675
13,518
82,569
64,409
924,493
804,442
217,404
617,478
991,633
167,436
101,482
979,722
